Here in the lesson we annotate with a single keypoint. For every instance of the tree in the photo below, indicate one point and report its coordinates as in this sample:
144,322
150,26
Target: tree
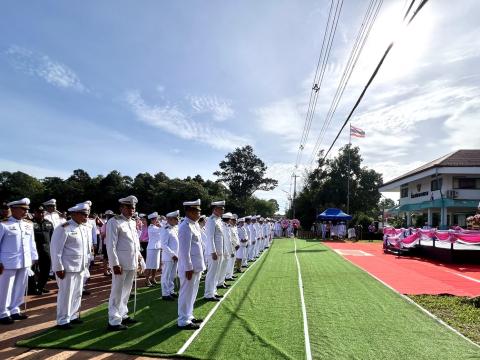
326,186
17,185
244,173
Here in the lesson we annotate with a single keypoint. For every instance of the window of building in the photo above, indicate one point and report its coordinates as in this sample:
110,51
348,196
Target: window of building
466,183
404,191
436,184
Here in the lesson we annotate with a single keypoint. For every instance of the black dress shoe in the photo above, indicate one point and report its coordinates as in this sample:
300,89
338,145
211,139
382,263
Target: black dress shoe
129,321
212,299
175,295
224,286
66,326
119,327
19,316
86,292
76,321
190,326
218,296
168,298
6,320
233,277
197,321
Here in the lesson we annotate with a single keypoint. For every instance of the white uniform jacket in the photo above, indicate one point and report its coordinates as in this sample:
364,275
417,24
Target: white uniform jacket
234,237
252,234
190,252
215,237
70,247
170,242
259,230
17,244
123,246
243,235
154,237
229,250
266,230
54,218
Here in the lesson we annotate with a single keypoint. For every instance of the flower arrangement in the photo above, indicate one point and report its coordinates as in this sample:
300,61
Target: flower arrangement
474,221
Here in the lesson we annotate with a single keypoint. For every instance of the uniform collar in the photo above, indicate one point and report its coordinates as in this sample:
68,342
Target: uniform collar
11,218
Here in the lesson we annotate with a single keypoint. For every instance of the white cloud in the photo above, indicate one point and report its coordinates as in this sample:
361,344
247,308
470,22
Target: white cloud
220,109
463,127
176,122
42,66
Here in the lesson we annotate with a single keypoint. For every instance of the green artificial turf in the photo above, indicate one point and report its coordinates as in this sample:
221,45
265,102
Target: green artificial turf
353,316
156,333
350,316
457,311
262,317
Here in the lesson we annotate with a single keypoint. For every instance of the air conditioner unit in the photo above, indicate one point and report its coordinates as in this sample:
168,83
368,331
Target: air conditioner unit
452,194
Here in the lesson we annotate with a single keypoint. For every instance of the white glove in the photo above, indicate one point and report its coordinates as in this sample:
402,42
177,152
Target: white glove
30,272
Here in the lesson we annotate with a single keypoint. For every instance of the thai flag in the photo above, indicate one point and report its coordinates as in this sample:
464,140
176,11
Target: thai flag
356,132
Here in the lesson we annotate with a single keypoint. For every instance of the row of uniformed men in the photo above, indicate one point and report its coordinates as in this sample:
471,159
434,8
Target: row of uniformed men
71,248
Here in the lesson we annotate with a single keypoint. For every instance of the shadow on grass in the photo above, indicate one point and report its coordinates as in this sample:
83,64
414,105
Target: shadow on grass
156,324
215,348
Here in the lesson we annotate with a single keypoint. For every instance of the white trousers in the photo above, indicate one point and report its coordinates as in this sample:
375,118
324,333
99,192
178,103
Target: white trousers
168,277
211,279
13,283
230,265
118,302
186,297
69,297
222,271
251,251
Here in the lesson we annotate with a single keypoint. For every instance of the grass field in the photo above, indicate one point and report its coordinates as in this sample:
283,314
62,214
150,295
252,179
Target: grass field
350,316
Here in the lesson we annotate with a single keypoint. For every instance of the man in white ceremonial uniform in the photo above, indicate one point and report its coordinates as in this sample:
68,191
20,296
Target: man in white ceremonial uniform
190,265
123,247
266,234
235,241
241,254
70,251
92,241
17,253
252,234
51,213
170,255
259,233
228,253
215,249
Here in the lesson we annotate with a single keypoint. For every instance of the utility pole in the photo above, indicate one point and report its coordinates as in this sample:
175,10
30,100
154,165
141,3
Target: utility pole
294,193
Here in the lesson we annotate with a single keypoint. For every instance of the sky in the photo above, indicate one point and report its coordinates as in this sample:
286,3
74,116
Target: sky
174,86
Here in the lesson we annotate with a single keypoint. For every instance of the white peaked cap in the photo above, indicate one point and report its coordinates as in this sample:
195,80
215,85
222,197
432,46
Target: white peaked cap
88,202
173,214
142,215
262,219
235,216
153,215
241,220
247,217
109,212
23,203
82,207
203,217
129,200
195,203
50,202
227,215
218,203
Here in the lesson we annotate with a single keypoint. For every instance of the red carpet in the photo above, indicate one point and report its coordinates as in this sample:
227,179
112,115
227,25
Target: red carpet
411,275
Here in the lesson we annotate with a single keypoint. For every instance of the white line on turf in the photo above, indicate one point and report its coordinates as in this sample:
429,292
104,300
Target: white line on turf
210,314
417,305
308,351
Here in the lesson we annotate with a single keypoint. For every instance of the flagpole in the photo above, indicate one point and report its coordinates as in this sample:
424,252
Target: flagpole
348,171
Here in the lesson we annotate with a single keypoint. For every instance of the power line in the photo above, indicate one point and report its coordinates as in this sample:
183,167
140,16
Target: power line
362,36
379,65
328,37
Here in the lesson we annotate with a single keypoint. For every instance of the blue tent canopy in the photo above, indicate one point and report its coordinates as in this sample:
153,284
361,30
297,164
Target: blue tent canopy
334,214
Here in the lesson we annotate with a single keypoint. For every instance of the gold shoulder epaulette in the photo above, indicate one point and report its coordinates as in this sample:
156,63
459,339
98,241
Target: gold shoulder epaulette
28,220
65,224
118,217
